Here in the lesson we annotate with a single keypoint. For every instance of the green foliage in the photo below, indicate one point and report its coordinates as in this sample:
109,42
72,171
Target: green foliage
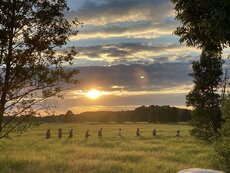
151,114
32,33
164,153
205,97
222,149
225,131
222,146
205,24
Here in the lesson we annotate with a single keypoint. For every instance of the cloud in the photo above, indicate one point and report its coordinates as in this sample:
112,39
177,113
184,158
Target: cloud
111,11
129,86
134,53
124,18
138,29
128,51
136,77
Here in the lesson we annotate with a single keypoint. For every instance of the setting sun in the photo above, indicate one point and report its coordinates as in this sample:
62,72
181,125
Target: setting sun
93,94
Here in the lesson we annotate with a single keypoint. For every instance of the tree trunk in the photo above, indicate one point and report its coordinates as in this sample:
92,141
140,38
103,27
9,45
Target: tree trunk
5,87
3,96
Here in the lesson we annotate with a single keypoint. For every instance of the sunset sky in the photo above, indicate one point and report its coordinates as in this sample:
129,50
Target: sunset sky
127,52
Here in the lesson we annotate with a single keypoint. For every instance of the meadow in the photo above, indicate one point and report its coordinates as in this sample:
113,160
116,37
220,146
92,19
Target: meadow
30,152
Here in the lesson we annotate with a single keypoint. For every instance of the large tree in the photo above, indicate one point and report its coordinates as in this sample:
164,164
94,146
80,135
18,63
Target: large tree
32,33
205,97
205,24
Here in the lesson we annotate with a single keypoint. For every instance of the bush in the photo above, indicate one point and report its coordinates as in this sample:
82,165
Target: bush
222,149
222,145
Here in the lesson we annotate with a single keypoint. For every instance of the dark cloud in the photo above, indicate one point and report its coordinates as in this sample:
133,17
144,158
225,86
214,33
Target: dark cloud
137,53
122,50
122,10
153,77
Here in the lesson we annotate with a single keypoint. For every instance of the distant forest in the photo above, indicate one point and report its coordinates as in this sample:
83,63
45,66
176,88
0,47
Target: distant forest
151,114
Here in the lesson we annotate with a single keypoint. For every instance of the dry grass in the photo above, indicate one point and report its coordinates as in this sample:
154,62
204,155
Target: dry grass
165,153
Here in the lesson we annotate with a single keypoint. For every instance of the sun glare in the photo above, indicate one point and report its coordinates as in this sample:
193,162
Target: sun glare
93,94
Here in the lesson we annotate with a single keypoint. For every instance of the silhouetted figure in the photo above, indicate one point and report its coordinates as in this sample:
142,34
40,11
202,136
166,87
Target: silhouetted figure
71,133
48,134
60,133
119,132
178,133
138,132
154,132
87,134
100,132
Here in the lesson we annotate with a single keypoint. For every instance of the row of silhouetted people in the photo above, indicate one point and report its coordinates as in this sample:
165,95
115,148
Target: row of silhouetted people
138,133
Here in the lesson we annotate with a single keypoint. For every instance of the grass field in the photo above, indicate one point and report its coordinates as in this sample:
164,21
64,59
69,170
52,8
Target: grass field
165,153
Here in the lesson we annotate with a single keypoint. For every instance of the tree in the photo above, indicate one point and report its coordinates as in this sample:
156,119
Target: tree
69,113
222,147
205,97
32,33
205,24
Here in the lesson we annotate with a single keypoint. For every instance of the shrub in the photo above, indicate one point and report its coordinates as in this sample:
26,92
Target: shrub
222,145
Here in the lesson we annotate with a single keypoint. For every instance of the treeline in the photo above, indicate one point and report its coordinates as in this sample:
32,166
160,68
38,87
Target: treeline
151,114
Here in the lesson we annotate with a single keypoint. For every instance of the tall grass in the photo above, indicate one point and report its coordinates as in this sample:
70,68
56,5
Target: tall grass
164,153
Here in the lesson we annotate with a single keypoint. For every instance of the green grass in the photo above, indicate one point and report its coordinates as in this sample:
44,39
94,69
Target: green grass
165,153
